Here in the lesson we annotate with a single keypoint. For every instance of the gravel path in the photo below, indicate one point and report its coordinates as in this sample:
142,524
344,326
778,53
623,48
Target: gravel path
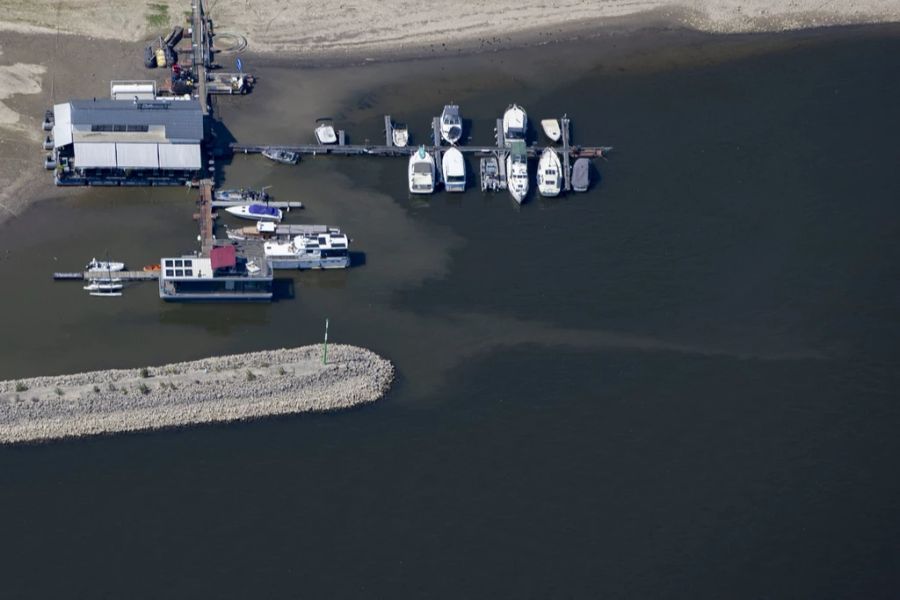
225,388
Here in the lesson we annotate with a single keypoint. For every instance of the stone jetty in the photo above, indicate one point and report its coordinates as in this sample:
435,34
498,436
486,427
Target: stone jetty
224,388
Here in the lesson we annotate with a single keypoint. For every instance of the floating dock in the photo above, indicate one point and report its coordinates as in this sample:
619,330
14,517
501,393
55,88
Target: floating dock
123,275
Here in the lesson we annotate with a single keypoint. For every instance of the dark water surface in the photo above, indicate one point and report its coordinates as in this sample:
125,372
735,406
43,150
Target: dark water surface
681,384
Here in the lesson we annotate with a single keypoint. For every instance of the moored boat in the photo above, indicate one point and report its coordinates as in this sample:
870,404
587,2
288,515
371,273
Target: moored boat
400,135
453,167
451,124
326,250
517,171
551,129
285,157
421,172
241,195
515,124
325,131
256,212
581,175
549,174
103,265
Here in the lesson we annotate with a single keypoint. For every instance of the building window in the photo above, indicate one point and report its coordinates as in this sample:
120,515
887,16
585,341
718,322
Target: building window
178,263
170,272
168,262
188,273
179,273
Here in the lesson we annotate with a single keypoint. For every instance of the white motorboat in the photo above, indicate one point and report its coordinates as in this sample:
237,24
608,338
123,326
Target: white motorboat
325,131
103,265
256,212
102,287
515,124
454,168
549,175
517,171
451,124
421,172
400,135
285,157
581,175
551,129
323,250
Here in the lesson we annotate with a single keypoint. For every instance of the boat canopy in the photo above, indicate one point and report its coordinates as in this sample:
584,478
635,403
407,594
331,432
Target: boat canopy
262,209
223,257
518,149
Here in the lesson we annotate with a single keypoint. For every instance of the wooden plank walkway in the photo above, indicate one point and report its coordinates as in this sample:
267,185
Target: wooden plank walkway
567,169
376,150
207,233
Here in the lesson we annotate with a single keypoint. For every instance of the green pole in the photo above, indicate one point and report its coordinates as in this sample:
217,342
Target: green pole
325,348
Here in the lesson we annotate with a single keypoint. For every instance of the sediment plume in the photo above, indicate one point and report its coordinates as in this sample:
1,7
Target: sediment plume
225,388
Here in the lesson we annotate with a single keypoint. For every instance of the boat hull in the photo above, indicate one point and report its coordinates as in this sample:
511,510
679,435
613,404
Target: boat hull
294,263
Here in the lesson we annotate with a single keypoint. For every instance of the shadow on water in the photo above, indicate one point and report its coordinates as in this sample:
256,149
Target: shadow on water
357,258
282,289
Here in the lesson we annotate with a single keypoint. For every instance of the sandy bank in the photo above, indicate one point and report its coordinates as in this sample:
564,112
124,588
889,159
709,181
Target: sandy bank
356,27
227,388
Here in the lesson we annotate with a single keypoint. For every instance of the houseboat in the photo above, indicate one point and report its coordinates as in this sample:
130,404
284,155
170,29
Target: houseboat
232,273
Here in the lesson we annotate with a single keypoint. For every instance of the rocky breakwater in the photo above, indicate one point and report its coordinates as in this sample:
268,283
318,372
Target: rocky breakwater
225,388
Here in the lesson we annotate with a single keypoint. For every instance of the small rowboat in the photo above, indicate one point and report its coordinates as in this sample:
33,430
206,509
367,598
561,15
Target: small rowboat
551,129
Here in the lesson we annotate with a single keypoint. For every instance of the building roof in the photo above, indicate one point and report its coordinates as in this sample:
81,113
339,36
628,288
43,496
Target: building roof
182,119
223,257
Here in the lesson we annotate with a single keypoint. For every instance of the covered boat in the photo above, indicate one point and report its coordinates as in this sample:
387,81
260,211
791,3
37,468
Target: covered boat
451,124
256,212
454,168
103,265
549,175
515,124
325,131
551,129
581,175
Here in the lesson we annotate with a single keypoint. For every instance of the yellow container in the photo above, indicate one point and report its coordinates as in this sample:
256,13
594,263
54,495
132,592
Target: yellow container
160,58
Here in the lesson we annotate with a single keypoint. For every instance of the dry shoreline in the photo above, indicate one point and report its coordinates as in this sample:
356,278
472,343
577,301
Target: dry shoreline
220,389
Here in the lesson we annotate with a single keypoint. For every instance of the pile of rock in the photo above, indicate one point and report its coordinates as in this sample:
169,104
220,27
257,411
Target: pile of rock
226,388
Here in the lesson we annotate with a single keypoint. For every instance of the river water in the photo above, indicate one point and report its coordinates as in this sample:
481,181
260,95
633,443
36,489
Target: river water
682,383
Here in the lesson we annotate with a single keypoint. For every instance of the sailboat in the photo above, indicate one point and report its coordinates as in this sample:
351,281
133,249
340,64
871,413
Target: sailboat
549,175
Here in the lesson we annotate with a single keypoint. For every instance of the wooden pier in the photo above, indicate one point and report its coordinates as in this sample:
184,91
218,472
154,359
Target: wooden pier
207,224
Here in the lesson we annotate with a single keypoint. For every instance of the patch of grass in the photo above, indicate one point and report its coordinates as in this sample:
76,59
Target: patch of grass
250,375
21,387
112,386
157,15
96,389
145,372
59,392
144,388
281,371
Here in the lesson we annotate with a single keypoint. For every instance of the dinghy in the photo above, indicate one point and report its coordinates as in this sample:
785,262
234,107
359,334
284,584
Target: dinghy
325,131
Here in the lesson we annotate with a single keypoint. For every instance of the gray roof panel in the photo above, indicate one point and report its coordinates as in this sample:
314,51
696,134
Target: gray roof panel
182,119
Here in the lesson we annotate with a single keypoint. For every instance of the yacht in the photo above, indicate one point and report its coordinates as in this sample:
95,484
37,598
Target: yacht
517,171
326,250
451,124
515,124
551,129
256,212
421,172
103,265
400,135
454,168
581,175
285,157
549,175
325,131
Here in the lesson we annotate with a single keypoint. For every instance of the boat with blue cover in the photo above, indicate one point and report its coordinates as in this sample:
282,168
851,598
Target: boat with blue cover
256,212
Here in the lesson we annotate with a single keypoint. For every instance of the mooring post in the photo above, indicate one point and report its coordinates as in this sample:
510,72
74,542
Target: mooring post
325,346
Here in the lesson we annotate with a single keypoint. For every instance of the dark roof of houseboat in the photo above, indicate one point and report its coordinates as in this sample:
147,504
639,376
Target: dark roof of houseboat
183,119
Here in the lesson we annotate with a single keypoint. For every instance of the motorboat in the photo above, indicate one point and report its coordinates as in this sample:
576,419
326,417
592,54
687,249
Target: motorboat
581,175
551,129
285,157
267,230
103,265
549,175
515,124
325,131
517,171
451,124
400,135
48,143
241,195
490,174
324,250
104,285
421,172
50,162
453,166
256,212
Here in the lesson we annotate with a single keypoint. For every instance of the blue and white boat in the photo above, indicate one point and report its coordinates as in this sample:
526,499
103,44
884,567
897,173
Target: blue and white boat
256,212
323,250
